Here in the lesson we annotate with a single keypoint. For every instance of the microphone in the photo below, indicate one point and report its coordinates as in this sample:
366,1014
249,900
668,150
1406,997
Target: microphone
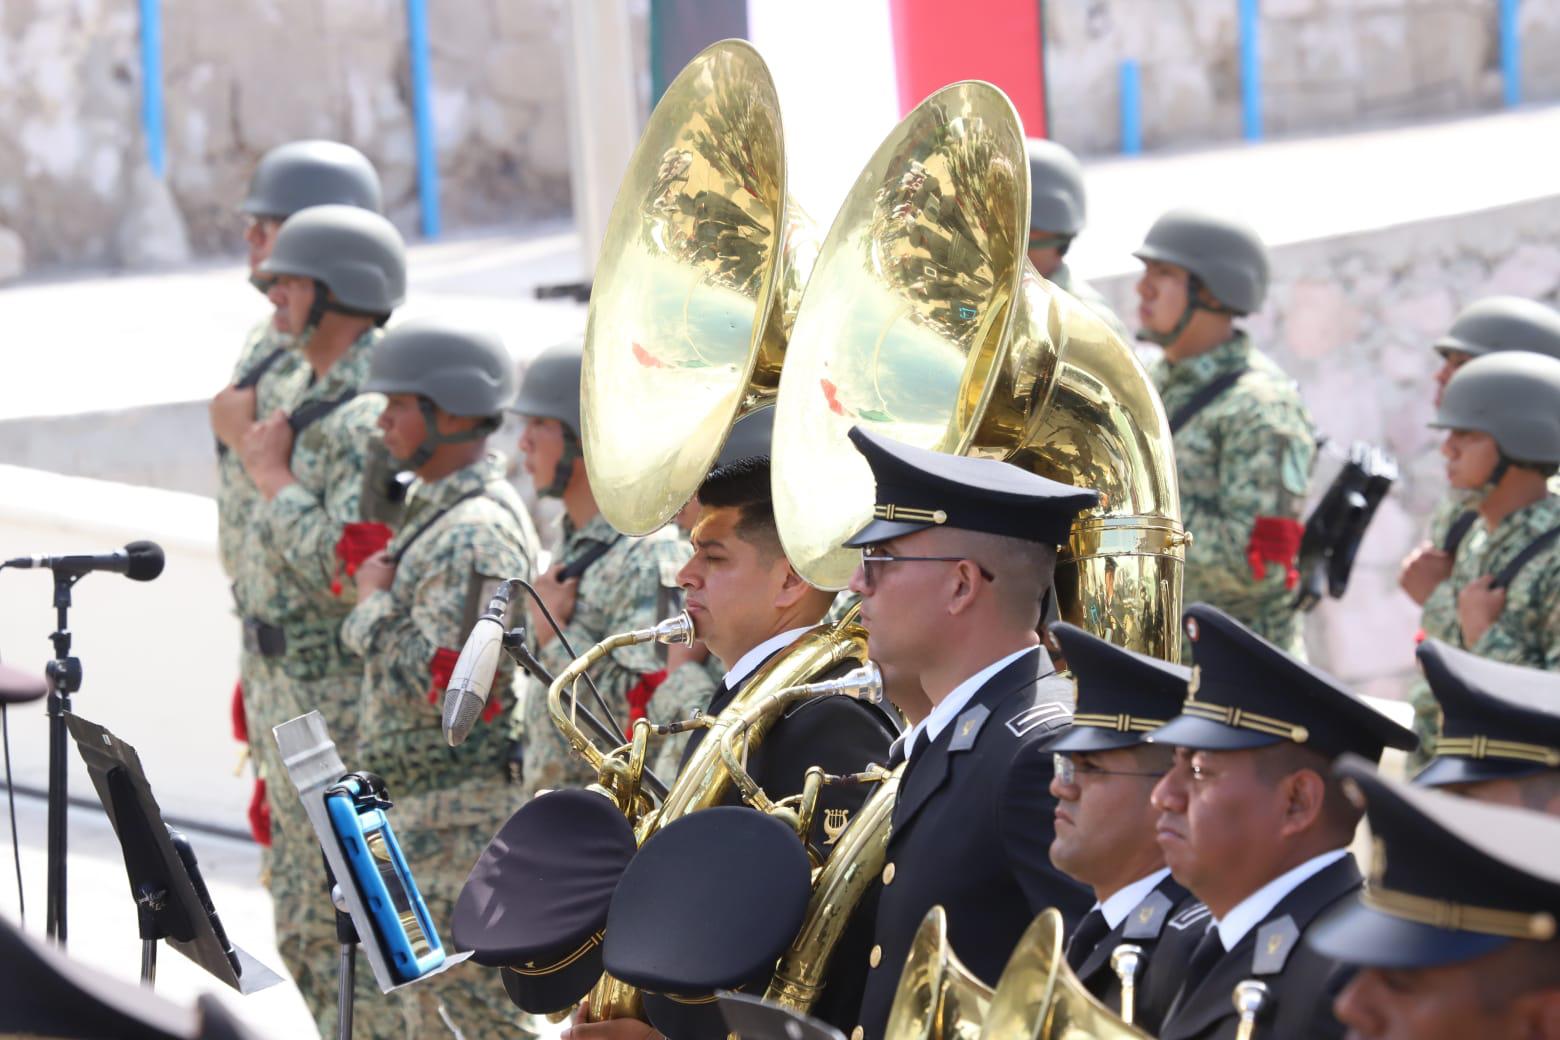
138,561
472,678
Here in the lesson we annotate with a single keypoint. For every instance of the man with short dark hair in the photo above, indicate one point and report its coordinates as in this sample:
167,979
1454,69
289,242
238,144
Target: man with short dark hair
1454,937
1253,823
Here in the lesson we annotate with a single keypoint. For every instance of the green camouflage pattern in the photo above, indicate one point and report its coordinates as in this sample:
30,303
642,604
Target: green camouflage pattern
284,575
1091,298
1246,455
687,691
236,493
619,592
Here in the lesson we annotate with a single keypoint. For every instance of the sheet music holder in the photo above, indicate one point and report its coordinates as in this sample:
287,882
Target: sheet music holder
171,900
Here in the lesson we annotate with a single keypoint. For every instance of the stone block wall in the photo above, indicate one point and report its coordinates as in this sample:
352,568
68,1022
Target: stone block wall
1352,318
1326,64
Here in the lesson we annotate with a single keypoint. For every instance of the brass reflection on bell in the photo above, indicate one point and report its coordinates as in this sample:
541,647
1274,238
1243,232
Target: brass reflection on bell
938,998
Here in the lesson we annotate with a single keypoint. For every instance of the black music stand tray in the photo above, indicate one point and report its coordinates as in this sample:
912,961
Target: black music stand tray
171,898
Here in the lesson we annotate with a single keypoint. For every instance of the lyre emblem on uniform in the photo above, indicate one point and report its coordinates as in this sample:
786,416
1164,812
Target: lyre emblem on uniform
834,821
1274,942
1145,914
968,725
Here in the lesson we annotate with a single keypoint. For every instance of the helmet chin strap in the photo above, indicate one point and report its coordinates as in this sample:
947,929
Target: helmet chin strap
323,305
564,468
1194,287
432,438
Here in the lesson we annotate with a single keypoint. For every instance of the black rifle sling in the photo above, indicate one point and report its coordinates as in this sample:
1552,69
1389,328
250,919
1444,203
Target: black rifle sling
1458,530
1203,398
1532,549
252,378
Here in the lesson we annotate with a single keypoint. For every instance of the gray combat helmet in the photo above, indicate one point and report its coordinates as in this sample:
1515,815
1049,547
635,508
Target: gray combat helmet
359,256
300,174
1513,396
1499,323
1224,254
1056,199
462,370
551,387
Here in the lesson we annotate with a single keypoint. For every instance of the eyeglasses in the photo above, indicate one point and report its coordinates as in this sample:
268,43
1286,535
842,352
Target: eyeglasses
1068,770
871,558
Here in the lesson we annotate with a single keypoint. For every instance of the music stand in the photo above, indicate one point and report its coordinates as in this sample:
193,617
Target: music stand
171,898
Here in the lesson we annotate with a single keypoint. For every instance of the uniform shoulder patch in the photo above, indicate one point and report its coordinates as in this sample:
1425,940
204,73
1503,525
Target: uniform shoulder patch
1148,918
1194,916
1275,941
1038,715
967,727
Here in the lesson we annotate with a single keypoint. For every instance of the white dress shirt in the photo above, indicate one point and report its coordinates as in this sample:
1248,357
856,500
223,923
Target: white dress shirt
1253,910
949,708
1118,906
748,663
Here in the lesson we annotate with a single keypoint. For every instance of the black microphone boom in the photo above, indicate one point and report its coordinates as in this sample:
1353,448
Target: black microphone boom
138,561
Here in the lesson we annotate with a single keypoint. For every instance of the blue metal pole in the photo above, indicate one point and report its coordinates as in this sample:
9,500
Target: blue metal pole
422,117
1131,108
1510,51
1250,72
151,84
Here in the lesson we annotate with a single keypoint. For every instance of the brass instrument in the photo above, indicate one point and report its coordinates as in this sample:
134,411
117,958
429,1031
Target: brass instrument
938,998
1126,961
1250,998
1039,997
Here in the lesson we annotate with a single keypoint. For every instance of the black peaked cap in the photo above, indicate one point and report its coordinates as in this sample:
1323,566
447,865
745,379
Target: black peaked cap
536,901
1451,878
917,489
1497,720
685,921
1122,695
1247,693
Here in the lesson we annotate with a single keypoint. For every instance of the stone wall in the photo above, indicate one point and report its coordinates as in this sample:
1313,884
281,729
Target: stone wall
1352,318
241,78
1326,64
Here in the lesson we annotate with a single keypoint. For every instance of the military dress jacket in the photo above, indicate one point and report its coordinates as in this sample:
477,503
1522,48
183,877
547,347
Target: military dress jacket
971,832
1301,982
1147,927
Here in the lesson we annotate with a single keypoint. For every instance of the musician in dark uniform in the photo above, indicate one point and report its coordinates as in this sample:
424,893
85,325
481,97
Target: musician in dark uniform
1455,935
1253,822
1105,771
954,567
1500,729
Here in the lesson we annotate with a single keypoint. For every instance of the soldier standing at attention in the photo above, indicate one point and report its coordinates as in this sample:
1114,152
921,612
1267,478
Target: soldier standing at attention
339,272
1502,417
1056,215
464,529
1243,440
605,583
288,178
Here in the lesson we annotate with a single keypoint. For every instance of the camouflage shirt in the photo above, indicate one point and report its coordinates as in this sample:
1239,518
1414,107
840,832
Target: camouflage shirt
288,572
1090,297
1244,464
460,535
619,592
1527,632
236,493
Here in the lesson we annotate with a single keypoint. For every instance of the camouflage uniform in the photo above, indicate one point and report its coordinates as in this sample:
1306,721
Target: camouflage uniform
617,593
1245,457
287,568
688,690
1090,297
1527,633
236,494
448,801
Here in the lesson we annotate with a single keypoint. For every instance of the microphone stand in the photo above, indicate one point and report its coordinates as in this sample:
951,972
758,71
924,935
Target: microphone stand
64,674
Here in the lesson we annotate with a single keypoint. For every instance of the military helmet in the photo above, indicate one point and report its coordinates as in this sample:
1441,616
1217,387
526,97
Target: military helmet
1499,323
1513,396
551,387
464,371
1056,198
300,174
1225,254
358,255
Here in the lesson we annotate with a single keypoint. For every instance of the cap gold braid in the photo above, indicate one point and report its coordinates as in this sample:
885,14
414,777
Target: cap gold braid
530,968
1480,746
1119,723
1240,718
1438,913
910,513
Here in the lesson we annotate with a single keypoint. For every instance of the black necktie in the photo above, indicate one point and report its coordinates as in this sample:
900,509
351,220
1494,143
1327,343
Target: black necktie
1204,957
1090,931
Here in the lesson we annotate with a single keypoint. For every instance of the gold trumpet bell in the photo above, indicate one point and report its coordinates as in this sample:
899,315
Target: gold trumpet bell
701,271
938,998
1039,997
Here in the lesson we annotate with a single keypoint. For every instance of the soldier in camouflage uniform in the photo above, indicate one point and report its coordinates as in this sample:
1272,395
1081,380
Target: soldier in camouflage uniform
1488,326
1056,214
1243,441
339,271
618,590
464,529
288,178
